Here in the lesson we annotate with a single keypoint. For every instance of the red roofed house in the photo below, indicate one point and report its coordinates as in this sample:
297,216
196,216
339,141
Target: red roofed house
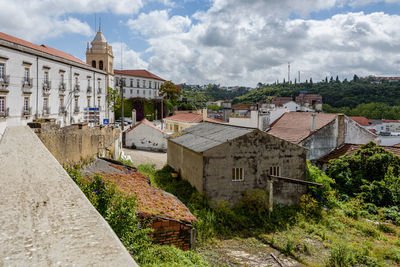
186,119
146,136
37,81
169,217
320,133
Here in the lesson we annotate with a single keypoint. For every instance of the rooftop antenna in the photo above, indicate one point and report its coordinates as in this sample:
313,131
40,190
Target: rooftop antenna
299,76
288,74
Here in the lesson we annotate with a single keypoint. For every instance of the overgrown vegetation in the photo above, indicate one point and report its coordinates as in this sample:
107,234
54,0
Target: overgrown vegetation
119,210
337,224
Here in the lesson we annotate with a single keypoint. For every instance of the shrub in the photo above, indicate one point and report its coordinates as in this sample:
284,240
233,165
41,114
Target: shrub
309,206
341,254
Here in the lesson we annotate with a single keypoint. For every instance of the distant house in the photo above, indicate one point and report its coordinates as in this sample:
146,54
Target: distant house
170,218
320,133
185,119
310,100
224,161
146,136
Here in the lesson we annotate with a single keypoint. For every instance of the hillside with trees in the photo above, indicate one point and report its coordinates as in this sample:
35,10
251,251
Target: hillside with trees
349,97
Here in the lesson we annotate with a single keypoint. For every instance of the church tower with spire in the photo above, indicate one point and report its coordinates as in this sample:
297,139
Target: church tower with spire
100,56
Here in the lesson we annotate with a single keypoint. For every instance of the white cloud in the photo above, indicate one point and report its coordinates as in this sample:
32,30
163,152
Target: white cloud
158,23
237,42
40,19
131,59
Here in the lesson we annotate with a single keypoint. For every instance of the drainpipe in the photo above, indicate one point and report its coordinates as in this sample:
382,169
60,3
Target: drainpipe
37,87
71,94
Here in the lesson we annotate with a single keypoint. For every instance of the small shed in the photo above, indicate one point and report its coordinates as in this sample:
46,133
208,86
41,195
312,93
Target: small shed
146,136
169,217
224,161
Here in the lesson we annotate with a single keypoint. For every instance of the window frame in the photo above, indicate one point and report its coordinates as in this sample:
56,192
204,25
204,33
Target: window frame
237,174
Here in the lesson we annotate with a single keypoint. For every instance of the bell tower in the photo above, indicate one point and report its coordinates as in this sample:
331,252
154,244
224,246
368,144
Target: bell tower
100,55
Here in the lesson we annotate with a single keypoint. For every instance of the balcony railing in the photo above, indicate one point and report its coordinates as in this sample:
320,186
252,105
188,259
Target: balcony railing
77,88
4,80
62,86
76,109
46,87
26,112
61,110
89,90
27,82
4,113
46,111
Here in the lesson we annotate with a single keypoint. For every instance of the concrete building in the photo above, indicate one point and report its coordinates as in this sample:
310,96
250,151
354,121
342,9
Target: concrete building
139,83
224,161
185,119
320,133
146,136
37,81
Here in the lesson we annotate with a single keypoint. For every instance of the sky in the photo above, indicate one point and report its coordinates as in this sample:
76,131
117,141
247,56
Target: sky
227,42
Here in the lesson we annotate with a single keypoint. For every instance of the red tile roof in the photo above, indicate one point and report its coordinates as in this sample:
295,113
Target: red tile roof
145,122
280,100
190,117
138,73
391,121
41,48
351,149
151,201
361,120
296,126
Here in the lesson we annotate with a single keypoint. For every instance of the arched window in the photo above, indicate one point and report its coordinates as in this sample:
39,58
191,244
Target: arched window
94,63
101,64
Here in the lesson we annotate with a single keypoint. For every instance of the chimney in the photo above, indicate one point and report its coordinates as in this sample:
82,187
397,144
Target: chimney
313,122
204,114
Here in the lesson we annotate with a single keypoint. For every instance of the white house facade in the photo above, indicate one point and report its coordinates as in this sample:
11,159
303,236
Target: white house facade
138,83
37,81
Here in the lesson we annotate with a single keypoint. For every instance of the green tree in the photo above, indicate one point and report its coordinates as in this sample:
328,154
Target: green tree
168,91
113,99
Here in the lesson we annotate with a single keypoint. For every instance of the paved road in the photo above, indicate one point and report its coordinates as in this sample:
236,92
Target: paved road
45,220
145,157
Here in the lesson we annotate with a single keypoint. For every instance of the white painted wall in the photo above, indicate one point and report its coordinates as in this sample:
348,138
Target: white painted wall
147,138
356,134
14,62
142,92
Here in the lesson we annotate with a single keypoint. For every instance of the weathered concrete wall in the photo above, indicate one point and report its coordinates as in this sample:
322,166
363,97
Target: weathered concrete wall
188,163
168,232
146,138
76,142
355,134
255,152
321,142
45,219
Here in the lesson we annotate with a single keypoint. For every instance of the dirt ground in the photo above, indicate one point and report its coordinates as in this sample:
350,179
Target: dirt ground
243,252
146,157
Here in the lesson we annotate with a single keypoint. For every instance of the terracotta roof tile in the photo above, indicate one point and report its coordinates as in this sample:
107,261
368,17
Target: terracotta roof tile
351,149
151,201
296,126
243,106
41,48
138,73
191,118
361,120
145,122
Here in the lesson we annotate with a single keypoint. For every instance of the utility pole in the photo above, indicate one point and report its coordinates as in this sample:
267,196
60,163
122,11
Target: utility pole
162,112
299,76
288,73
121,84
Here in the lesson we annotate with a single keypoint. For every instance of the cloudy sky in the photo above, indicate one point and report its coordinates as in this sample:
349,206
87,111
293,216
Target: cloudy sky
230,42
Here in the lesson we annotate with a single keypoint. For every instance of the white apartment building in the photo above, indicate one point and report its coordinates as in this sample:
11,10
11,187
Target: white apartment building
37,81
138,83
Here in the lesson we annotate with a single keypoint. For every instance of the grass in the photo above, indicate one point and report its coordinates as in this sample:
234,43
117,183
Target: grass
339,236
